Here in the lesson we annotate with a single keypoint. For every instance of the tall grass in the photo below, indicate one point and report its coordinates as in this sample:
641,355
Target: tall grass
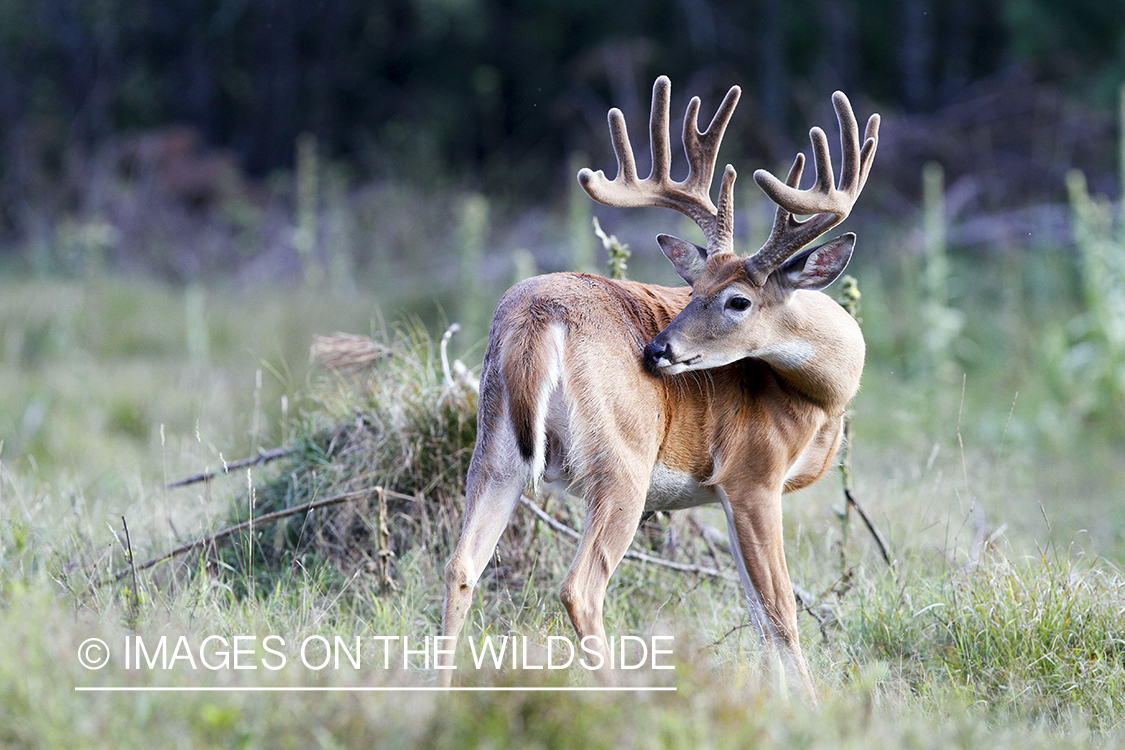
399,435
1038,640
1023,654
1092,369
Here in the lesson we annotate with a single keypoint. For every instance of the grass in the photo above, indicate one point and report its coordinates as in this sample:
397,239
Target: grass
1000,626
940,661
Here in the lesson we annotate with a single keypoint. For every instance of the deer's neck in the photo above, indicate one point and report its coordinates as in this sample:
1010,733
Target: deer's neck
817,348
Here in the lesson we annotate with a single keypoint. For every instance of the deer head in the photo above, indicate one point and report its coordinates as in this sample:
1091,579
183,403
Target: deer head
738,305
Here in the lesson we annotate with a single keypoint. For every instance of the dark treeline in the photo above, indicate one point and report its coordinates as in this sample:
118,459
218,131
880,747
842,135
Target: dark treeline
498,92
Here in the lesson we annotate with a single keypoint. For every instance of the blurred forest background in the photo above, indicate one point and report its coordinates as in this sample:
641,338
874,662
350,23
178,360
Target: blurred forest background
161,135
419,155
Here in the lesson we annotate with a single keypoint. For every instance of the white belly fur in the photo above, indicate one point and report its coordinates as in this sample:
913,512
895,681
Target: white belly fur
670,489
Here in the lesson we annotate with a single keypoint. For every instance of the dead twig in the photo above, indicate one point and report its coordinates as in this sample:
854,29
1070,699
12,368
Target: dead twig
815,607
135,598
884,548
263,457
805,599
265,518
631,554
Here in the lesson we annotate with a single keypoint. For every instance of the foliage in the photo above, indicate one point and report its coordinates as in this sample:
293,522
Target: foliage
1064,43
1089,372
502,91
1035,640
397,434
617,251
1009,654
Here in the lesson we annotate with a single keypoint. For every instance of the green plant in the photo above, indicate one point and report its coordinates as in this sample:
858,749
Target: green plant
941,323
1037,638
472,234
617,251
1090,373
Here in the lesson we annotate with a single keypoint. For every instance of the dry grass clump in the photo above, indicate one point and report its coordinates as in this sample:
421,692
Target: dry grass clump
388,431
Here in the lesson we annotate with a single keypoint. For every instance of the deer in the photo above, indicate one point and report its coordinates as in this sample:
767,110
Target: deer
637,397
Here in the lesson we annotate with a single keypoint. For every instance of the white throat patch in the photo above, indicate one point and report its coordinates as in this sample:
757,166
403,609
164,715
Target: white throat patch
787,355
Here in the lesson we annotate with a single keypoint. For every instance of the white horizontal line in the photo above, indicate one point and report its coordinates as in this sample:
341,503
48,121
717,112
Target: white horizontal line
470,689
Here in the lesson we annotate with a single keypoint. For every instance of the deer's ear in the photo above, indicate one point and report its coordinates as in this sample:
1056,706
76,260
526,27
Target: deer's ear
819,266
687,257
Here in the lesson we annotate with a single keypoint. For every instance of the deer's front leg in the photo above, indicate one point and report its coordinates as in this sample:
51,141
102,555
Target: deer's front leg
754,526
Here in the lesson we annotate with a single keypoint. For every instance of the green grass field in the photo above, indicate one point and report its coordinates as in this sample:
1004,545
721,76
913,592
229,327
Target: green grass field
1001,625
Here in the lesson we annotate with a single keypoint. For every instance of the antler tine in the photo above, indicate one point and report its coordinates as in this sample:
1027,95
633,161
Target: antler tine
619,137
827,203
659,135
690,197
702,148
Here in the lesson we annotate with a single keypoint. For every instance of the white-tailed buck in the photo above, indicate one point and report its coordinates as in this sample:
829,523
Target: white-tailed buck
644,398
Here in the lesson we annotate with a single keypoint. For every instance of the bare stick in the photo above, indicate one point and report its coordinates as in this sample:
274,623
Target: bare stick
850,301
274,516
806,601
802,595
134,600
263,457
879,540
631,554
804,598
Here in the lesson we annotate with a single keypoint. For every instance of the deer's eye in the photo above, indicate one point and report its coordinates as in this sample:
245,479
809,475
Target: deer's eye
738,303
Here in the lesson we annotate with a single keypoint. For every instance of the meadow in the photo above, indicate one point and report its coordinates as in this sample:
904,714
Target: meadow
987,448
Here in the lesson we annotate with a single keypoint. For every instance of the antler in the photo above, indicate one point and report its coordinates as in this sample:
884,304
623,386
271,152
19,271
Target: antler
829,204
690,197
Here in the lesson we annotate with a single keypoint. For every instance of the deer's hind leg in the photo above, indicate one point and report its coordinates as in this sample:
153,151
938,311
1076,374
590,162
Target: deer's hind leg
614,452
614,513
497,477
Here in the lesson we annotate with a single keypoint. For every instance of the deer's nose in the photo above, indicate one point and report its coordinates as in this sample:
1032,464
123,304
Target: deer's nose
657,355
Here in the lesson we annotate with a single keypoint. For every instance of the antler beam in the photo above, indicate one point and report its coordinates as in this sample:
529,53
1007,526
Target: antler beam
690,197
829,204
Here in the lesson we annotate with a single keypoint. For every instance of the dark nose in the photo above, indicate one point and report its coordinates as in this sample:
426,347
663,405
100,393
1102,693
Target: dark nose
657,353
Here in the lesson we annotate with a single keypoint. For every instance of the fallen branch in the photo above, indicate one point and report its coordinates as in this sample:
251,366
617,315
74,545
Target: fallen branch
630,553
266,518
359,494
804,598
263,457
